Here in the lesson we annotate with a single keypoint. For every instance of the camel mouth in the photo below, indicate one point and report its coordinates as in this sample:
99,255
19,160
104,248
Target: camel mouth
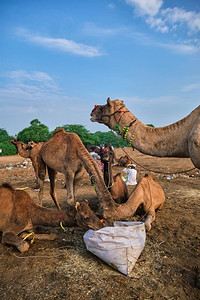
93,119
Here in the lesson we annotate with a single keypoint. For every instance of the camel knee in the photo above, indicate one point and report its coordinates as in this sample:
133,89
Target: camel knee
150,218
12,239
70,200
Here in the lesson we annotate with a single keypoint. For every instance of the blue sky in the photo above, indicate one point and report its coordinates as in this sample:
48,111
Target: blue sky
60,58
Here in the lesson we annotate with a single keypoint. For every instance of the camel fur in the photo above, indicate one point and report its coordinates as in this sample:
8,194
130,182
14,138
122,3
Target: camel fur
180,139
115,184
29,150
147,193
65,153
19,214
123,161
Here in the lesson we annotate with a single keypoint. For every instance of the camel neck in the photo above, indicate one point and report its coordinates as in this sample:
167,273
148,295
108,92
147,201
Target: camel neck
24,153
107,173
160,141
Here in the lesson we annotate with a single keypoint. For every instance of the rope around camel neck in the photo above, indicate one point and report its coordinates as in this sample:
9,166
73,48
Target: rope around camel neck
154,171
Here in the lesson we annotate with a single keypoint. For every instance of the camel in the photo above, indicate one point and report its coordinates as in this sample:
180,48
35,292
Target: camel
123,161
115,184
65,153
180,139
147,193
19,214
29,150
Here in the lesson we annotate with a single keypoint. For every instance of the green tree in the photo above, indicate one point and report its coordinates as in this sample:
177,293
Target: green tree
7,148
37,132
110,138
85,135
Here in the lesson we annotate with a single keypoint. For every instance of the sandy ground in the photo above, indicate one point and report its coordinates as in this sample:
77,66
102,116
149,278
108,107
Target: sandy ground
168,268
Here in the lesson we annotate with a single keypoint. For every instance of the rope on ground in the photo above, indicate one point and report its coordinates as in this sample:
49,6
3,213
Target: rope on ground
154,171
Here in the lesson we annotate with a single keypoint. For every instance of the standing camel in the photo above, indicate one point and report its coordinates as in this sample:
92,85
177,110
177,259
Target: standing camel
65,153
115,184
30,150
180,139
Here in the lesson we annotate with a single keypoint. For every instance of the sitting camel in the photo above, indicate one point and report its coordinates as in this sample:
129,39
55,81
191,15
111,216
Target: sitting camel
147,192
30,150
65,153
19,213
123,161
115,184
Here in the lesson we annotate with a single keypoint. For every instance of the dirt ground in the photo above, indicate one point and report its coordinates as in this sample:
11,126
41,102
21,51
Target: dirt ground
168,268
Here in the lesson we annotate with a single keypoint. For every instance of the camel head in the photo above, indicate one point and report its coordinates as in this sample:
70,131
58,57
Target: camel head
85,217
16,142
103,113
106,155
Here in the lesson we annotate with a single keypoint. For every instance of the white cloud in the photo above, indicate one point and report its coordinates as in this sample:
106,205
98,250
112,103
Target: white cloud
146,7
158,24
111,5
191,87
178,15
92,30
30,87
179,48
59,44
21,76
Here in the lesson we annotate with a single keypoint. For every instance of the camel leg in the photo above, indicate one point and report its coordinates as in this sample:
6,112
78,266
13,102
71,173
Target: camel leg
70,182
52,177
41,178
150,218
35,167
10,238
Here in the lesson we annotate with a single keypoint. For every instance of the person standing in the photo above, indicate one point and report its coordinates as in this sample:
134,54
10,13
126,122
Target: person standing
131,175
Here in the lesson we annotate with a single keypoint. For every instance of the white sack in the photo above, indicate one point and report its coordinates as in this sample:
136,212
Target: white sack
119,246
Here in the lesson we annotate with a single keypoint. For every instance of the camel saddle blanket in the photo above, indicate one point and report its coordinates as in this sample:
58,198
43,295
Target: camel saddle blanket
119,246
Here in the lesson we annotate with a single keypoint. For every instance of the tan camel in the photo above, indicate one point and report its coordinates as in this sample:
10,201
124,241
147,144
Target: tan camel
30,150
148,193
180,139
65,153
19,214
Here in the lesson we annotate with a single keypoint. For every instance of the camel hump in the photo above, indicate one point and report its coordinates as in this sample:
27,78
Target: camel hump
7,186
59,130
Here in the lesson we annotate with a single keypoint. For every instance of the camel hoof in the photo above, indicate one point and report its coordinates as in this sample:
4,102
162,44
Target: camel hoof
23,247
148,226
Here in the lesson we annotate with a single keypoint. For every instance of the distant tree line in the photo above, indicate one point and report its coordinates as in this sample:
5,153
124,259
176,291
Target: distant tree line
39,132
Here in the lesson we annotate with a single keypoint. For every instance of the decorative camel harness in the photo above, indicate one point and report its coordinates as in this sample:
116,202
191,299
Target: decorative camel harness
125,130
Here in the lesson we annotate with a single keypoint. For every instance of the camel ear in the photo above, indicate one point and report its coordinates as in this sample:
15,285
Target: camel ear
77,205
108,101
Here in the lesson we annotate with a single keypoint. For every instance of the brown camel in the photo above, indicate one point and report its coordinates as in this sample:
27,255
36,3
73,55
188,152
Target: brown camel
19,214
30,150
115,184
65,153
147,193
123,161
180,139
